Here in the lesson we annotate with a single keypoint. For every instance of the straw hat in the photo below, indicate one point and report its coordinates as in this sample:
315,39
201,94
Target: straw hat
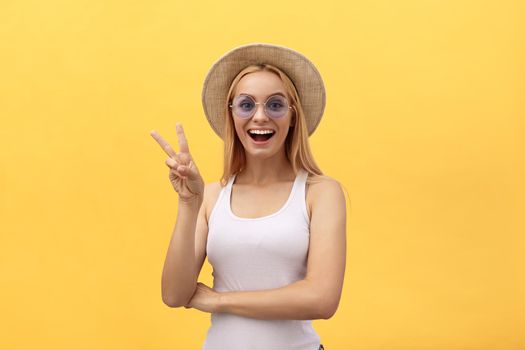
298,68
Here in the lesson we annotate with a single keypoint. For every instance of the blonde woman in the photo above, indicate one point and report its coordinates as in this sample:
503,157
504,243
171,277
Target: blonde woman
274,227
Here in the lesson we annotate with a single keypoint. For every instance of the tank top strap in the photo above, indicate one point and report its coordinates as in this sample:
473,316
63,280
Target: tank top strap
229,185
303,176
228,189
299,200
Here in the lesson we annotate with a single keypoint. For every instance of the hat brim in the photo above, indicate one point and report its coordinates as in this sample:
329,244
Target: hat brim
298,68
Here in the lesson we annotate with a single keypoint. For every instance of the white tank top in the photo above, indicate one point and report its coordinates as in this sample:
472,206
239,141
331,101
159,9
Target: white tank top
255,254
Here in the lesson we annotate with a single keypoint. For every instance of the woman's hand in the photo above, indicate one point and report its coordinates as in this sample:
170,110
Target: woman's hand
204,299
184,175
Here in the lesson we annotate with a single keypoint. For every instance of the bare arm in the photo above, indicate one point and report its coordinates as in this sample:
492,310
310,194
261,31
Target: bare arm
318,294
179,276
297,301
186,251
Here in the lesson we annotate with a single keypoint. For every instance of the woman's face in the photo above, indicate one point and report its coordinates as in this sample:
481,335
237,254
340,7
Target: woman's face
260,85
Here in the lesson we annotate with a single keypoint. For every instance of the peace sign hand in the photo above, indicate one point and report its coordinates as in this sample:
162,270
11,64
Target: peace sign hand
184,174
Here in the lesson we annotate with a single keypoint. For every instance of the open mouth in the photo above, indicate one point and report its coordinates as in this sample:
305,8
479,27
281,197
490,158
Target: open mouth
261,137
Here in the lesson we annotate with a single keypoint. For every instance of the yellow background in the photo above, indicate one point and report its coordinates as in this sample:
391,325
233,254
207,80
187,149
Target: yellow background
424,126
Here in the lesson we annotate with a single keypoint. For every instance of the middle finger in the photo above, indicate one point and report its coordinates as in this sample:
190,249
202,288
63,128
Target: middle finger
183,143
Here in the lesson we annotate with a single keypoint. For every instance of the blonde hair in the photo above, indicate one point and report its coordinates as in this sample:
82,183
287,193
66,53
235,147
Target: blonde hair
297,147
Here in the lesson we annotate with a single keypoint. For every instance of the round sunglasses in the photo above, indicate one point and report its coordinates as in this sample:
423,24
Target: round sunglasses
244,106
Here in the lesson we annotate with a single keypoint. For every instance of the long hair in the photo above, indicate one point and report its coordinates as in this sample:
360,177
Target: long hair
297,147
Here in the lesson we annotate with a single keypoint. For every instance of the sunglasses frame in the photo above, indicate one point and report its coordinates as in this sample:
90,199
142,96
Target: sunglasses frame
260,103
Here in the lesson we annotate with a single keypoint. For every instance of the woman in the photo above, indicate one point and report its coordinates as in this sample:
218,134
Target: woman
274,227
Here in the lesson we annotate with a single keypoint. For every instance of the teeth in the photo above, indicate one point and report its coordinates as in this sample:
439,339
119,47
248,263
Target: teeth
261,132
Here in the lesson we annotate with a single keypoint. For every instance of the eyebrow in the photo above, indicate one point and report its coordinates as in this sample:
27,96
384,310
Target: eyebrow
277,93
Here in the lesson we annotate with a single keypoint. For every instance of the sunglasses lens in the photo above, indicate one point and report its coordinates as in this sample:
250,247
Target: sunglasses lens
277,106
243,106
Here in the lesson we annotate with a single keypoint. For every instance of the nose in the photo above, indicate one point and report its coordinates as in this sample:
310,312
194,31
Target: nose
259,114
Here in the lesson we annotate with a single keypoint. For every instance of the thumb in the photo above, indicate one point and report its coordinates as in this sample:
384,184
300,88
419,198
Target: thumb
189,170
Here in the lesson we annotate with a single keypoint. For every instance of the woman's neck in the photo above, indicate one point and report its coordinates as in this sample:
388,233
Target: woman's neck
261,172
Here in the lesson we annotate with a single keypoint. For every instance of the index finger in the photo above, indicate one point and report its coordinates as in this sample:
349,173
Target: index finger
163,143
183,143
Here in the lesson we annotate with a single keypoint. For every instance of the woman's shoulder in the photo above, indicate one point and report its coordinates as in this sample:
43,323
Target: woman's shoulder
212,187
324,186
321,181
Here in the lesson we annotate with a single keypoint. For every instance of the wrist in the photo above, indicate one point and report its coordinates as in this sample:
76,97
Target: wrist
191,202
220,303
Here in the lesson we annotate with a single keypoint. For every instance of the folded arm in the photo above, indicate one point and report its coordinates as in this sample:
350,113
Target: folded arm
296,301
